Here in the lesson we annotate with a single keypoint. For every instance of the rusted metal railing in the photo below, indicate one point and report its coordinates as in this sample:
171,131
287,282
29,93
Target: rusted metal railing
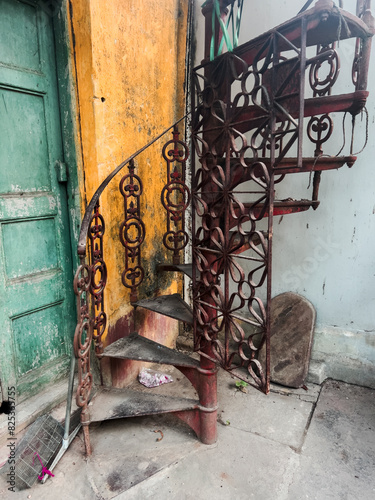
91,276
256,106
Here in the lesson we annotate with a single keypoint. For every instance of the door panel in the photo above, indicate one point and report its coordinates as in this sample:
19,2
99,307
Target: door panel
19,34
23,172
29,258
37,308
40,325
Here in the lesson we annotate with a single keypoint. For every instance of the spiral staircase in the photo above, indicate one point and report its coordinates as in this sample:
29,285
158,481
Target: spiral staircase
257,109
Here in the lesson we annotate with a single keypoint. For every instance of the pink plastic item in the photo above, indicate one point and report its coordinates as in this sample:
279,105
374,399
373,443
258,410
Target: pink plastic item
152,378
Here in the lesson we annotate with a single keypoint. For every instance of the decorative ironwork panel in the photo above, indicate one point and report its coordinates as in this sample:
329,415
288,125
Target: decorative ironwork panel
98,277
323,74
89,283
249,116
83,333
175,195
132,231
325,70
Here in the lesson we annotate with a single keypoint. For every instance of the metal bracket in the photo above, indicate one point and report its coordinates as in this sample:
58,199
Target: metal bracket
61,171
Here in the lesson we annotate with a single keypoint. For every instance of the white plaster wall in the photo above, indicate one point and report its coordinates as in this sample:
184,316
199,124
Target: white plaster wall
327,255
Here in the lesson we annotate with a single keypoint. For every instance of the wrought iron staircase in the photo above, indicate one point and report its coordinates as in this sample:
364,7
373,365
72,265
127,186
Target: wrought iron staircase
250,106
90,282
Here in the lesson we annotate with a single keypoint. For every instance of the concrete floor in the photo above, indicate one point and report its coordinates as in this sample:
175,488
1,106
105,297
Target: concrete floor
292,444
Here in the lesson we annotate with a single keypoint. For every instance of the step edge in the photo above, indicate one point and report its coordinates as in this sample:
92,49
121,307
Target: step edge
189,362
187,404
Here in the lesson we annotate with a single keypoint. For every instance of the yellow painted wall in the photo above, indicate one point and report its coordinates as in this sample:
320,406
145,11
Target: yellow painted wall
130,69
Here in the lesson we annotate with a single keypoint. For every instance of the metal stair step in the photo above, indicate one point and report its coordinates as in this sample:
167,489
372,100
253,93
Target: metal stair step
287,165
280,207
250,117
184,268
284,207
111,403
169,305
142,349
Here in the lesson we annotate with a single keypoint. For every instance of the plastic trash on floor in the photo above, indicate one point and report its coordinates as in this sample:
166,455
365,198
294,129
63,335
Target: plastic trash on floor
153,378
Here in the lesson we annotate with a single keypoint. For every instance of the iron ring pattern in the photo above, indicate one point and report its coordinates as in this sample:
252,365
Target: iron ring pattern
83,333
175,195
322,77
132,231
248,127
231,197
242,130
98,277
89,284
327,61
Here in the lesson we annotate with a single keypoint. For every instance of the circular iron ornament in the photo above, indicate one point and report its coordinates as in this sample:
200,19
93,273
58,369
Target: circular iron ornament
319,129
250,80
82,338
179,190
175,240
97,230
82,279
84,390
128,240
132,231
133,188
99,267
180,151
132,277
322,86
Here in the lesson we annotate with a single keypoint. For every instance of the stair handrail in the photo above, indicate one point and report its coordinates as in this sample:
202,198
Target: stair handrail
82,239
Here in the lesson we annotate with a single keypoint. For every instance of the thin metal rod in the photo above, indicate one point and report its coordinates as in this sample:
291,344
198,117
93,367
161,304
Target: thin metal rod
306,6
302,91
69,397
61,452
66,439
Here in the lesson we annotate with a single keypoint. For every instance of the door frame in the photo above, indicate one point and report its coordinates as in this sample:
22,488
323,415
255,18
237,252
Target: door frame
69,118
71,150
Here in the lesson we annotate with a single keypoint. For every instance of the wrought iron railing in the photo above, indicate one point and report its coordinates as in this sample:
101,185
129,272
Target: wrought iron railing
91,276
256,106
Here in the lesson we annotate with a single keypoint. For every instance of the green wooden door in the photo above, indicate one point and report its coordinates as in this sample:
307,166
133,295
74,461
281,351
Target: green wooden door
36,298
